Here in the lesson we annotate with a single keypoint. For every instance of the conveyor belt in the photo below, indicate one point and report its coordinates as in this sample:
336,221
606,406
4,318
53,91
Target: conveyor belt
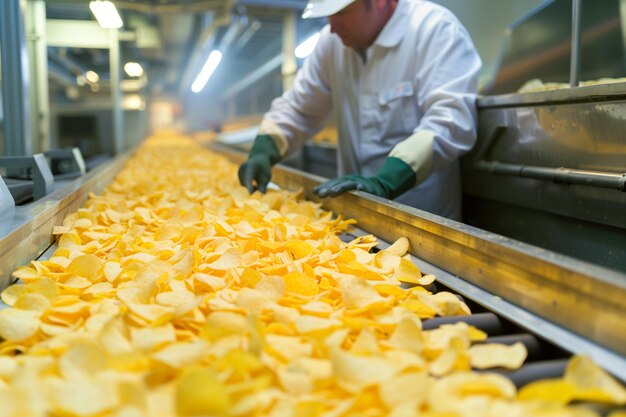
549,345
545,287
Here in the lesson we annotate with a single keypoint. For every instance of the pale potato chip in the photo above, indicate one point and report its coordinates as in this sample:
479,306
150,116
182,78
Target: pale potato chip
182,354
407,335
295,380
220,324
300,283
399,247
150,338
592,383
359,295
17,325
230,259
311,324
409,388
83,359
366,343
8,367
87,266
288,348
492,355
354,372
12,293
32,302
82,397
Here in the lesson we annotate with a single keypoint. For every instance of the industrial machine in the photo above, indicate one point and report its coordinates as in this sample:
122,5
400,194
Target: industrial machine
549,169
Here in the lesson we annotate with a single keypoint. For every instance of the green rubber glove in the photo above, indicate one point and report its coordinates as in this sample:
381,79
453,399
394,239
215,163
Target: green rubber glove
255,173
394,178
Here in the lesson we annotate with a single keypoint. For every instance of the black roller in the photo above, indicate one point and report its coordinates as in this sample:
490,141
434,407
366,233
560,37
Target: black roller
535,371
487,322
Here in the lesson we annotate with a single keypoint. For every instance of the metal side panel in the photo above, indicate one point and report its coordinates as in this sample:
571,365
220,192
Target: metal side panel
583,298
28,233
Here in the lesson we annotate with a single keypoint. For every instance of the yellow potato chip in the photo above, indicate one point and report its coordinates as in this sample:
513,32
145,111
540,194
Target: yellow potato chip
230,259
288,348
548,390
150,338
359,295
399,247
182,354
12,293
33,302
354,372
300,283
407,335
295,380
492,355
592,383
18,325
87,266
366,343
82,397
84,358
26,274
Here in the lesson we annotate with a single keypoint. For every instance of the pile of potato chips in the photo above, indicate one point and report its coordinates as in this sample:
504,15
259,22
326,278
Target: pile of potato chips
175,293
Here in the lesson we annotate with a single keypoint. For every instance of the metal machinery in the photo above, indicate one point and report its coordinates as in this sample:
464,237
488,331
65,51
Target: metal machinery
549,167
517,291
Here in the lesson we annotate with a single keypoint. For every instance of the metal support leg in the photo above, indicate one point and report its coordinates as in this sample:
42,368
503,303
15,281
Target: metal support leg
116,91
35,22
290,64
15,79
575,57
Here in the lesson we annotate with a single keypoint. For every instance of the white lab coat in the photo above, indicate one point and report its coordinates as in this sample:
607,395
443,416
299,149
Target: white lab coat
420,74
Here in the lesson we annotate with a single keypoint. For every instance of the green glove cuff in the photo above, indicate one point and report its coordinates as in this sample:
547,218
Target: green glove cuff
265,145
395,177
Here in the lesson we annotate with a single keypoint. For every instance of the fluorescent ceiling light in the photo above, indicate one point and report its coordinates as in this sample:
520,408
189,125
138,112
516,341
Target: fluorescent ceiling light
106,14
133,69
305,48
207,70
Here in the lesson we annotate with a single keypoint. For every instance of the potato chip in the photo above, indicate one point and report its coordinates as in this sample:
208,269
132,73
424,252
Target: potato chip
306,324
32,302
366,343
300,283
182,354
288,348
150,338
87,266
84,358
592,383
82,397
355,372
12,293
358,295
492,355
407,335
548,390
17,325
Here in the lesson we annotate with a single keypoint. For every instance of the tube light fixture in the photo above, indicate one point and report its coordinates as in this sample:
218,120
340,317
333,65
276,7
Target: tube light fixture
133,69
305,48
208,69
106,14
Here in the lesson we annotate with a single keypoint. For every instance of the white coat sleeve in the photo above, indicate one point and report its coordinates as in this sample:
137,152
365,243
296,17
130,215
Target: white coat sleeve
302,111
446,81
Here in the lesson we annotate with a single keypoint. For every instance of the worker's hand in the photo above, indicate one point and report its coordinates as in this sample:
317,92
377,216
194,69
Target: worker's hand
393,179
255,173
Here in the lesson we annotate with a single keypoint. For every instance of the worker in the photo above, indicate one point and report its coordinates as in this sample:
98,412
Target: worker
400,77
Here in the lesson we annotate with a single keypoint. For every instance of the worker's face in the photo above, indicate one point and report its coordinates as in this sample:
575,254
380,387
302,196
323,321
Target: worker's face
359,24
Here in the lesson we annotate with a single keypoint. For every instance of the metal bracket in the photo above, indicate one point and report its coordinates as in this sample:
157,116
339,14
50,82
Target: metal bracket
35,167
66,163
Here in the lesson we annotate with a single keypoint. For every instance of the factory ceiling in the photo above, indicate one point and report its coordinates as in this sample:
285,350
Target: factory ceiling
169,38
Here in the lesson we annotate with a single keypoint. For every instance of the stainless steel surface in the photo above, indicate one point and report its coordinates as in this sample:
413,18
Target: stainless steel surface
557,175
36,167
596,93
574,75
579,129
539,45
15,82
28,233
115,68
540,283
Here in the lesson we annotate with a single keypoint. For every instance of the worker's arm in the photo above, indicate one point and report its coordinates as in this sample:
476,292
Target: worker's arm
293,118
446,80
